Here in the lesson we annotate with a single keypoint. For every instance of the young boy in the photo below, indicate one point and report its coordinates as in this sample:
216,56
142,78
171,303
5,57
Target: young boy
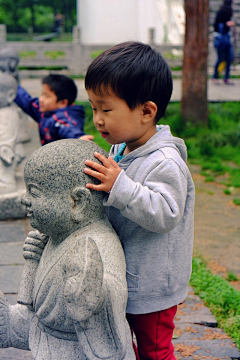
150,192
54,111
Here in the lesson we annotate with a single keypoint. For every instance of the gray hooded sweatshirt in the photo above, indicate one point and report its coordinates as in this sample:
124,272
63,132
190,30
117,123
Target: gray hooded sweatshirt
151,207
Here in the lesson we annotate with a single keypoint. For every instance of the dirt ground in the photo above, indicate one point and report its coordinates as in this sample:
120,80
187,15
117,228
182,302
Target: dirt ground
217,225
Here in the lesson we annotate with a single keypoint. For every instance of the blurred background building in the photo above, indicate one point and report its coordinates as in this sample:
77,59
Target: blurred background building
113,21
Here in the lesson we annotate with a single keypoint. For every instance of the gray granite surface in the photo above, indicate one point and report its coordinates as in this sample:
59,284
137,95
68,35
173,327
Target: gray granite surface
73,291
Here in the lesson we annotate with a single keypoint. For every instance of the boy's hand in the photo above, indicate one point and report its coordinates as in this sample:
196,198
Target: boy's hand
106,173
87,137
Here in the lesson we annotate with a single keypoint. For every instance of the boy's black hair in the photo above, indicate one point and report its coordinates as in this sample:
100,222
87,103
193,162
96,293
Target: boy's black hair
62,86
135,72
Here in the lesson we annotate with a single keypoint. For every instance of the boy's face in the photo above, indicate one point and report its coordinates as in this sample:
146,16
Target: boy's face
49,211
116,122
48,100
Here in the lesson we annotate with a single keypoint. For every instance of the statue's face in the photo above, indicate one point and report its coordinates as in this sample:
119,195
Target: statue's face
49,211
8,64
3,98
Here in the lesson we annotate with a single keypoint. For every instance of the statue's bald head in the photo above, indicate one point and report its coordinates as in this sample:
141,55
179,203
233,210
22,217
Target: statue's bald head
8,52
7,82
59,166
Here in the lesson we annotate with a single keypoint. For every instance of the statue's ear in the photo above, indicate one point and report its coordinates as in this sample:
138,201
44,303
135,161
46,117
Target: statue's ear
82,199
11,94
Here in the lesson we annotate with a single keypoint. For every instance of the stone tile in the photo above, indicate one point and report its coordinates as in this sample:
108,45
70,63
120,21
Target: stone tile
11,253
10,277
13,230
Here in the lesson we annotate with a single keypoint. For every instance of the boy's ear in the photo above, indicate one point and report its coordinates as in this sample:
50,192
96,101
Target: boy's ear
149,111
82,199
62,103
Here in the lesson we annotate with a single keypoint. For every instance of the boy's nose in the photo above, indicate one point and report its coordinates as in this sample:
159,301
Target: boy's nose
99,120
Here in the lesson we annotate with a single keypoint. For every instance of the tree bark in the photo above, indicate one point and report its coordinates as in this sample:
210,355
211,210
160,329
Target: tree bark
194,105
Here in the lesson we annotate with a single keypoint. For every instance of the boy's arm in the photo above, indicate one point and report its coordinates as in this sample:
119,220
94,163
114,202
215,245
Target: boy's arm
28,104
65,128
156,205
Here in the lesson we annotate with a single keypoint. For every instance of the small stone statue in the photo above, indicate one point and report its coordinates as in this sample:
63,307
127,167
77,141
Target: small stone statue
10,149
9,60
73,293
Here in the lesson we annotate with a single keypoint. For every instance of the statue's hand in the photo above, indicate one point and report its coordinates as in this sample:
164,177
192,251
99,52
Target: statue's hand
4,321
34,245
6,154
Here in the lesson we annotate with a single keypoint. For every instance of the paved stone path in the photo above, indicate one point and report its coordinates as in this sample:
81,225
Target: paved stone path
196,336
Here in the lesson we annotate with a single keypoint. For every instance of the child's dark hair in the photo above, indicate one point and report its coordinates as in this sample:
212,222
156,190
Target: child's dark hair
62,86
135,72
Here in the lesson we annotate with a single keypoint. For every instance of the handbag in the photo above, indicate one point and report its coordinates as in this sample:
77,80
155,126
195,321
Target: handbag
222,41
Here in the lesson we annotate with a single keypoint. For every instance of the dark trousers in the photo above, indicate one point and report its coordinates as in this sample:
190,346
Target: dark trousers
224,55
153,333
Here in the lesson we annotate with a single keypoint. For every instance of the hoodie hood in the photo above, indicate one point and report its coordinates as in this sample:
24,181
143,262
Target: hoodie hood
163,138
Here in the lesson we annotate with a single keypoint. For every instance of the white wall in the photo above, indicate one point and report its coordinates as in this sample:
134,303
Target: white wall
114,21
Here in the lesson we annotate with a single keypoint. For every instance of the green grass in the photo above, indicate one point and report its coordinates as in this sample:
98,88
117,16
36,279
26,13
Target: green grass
55,54
216,148
221,298
27,54
231,276
96,53
236,201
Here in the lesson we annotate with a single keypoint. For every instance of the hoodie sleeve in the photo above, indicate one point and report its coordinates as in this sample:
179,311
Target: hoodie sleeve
158,203
65,127
28,104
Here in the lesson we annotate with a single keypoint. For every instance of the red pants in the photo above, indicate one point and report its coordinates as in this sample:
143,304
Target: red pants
154,333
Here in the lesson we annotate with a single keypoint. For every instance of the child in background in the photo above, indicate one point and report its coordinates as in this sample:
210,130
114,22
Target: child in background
54,111
149,189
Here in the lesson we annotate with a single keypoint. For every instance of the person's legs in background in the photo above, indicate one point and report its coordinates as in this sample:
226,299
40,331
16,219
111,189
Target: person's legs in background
154,333
229,59
220,58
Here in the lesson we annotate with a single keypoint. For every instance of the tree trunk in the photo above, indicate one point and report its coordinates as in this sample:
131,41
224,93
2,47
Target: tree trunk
194,104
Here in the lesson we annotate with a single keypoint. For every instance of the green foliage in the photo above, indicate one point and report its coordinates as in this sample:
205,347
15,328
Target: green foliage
215,147
232,277
27,54
55,54
236,201
21,15
227,192
222,299
96,53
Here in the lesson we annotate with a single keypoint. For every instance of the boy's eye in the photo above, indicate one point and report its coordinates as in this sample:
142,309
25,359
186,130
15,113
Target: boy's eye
94,109
106,111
